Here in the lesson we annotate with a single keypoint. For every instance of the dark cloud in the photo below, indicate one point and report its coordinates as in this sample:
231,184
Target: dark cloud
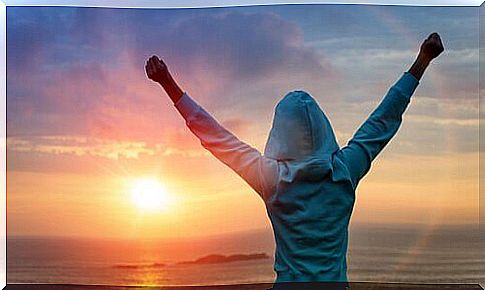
230,47
80,70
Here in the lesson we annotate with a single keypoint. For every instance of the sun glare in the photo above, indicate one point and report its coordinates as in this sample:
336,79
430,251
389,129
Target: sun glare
149,194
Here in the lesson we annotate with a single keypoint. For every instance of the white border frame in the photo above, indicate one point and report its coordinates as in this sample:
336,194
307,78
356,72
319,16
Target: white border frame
226,3
3,145
142,4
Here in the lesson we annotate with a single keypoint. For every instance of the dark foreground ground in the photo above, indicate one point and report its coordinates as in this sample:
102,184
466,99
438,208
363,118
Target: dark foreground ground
353,286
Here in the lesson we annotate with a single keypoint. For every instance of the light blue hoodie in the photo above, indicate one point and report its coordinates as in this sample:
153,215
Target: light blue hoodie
306,180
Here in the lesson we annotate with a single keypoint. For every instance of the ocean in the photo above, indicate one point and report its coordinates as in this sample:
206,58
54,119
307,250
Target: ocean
391,253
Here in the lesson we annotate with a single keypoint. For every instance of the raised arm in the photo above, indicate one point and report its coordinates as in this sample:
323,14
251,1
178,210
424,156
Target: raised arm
258,171
383,123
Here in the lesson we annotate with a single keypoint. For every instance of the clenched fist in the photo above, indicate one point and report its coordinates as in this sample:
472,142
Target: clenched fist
431,47
157,70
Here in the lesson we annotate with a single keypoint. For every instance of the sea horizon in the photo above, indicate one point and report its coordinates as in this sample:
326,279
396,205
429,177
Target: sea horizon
377,253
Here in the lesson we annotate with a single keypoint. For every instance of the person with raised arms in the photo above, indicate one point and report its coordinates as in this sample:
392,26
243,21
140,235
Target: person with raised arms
306,180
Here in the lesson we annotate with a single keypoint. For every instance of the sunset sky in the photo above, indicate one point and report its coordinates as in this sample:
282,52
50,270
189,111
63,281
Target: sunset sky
84,123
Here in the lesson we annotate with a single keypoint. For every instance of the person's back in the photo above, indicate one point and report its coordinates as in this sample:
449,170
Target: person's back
312,199
306,180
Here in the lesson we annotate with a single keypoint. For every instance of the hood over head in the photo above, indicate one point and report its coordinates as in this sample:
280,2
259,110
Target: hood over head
300,130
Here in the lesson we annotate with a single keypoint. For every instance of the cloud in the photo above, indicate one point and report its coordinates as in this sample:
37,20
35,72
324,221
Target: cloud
96,147
101,156
79,146
212,52
454,75
81,72
87,71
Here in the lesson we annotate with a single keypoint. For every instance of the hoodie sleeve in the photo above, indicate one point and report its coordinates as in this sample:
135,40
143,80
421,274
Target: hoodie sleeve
258,171
381,125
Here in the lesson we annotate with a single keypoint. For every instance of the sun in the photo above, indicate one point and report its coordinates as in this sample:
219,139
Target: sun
148,194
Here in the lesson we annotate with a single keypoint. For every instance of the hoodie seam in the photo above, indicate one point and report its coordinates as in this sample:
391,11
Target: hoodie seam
310,125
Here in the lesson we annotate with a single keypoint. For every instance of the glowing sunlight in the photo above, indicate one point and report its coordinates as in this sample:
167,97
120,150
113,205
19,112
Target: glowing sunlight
149,194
